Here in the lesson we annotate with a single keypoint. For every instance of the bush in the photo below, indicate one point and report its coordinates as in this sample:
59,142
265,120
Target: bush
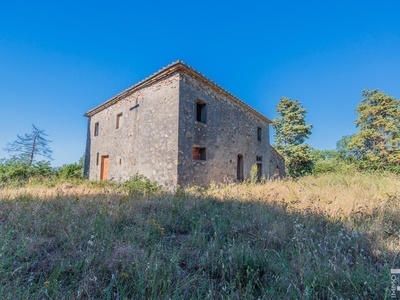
139,184
17,171
70,171
12,170
41,169
325,166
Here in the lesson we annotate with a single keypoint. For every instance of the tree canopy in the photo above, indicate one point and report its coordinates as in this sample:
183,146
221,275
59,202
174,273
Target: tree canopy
377,143
291,131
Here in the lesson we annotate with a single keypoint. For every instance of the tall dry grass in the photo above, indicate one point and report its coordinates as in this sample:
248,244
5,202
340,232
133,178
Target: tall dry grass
334,236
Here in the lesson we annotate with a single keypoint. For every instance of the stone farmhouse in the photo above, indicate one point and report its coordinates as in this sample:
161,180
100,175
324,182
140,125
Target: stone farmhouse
177,127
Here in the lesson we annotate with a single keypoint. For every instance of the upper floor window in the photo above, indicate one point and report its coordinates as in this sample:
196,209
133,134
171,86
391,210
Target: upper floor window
119,121
201,113
96,129
259,158
259,133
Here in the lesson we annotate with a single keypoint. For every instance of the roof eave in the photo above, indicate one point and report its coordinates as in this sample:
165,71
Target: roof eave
145,82
166,71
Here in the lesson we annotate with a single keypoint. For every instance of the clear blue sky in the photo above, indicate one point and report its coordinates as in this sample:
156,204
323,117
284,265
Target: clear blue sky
58,59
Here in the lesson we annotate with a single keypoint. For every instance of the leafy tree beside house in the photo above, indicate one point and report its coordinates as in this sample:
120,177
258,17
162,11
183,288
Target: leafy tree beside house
291,131
377,144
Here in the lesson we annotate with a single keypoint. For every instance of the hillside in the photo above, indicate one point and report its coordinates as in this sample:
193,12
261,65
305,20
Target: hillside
329,236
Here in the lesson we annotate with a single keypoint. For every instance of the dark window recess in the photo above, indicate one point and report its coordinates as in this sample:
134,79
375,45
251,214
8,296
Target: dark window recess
199,153
240,176
119,120
96,129
259,172
97,159
201,113
259,132
259,158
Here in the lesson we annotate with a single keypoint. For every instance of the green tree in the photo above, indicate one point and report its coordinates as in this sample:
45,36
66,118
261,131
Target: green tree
377,144
291,132
30,145
345,153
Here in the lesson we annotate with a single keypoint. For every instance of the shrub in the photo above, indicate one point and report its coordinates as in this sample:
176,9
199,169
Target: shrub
139,184
41,169
13,169
17,171
70,171
325,166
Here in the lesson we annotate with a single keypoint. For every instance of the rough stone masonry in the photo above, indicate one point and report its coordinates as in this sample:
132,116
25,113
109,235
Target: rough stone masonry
177,127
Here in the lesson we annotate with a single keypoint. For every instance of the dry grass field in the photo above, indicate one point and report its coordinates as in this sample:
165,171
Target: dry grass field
332,236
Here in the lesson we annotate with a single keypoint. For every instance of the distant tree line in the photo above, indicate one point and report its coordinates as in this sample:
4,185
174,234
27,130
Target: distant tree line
18,171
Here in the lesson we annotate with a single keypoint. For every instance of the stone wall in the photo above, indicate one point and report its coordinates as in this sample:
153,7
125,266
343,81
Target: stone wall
277,165
146,141
230,130
160,137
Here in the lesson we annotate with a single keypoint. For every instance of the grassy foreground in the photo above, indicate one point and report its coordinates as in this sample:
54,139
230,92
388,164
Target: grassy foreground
327,237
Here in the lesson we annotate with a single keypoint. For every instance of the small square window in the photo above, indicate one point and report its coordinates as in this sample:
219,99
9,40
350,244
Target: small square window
96,129
119,121
259,158
259,133
199,153
201,113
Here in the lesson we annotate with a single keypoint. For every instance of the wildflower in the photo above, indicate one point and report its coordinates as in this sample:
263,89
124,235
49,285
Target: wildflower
125,275
46,283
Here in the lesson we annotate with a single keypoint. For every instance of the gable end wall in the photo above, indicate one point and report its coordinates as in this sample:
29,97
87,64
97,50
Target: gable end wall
146,142
230,130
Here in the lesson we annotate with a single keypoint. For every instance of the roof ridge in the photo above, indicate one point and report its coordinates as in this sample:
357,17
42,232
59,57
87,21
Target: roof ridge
115,99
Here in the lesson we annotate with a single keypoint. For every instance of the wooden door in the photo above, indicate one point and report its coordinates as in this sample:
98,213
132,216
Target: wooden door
104,168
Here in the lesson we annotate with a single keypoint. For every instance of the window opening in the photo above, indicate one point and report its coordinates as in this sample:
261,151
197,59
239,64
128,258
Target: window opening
239,170
259,132
199,153
96,129
259,172
201,111
119,121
